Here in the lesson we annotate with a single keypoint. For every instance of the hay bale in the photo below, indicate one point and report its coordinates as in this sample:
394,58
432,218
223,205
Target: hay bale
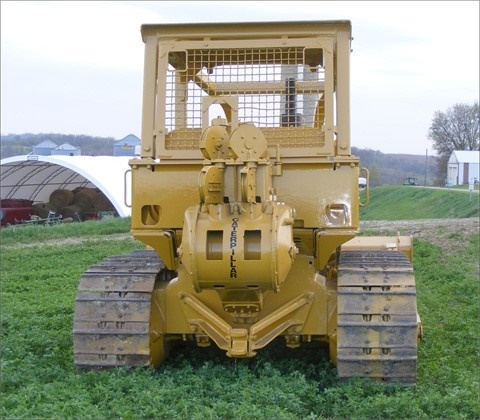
78,189
41,206
72,211
41,210
86,190
102,203
84,199
60,198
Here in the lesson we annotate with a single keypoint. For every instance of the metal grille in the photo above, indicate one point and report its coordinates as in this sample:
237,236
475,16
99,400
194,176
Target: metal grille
273,88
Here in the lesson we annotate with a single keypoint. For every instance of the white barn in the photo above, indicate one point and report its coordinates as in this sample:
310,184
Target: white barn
463,167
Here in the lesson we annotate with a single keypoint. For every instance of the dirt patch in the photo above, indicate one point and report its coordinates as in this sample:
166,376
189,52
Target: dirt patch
449,234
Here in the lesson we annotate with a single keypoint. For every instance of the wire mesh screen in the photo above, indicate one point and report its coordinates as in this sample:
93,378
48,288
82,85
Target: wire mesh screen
279,90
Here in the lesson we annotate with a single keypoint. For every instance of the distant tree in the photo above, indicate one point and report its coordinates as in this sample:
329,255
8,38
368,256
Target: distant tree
19,144
374,175
455,129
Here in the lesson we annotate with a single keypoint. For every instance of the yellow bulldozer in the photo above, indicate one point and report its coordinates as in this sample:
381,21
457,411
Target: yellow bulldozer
246,195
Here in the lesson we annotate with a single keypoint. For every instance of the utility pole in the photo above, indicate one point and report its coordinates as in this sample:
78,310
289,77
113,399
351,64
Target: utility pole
426,166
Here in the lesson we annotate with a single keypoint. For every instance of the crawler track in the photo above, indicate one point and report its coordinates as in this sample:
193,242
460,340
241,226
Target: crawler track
112,311
377,317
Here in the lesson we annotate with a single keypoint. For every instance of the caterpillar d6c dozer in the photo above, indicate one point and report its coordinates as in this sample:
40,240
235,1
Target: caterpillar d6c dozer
247,196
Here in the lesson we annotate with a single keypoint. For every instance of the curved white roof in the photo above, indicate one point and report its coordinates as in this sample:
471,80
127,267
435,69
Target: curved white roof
35,177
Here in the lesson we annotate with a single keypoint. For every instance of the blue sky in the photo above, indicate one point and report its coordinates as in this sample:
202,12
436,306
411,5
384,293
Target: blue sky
77,67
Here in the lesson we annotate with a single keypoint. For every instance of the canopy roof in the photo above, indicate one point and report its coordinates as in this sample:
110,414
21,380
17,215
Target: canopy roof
35,177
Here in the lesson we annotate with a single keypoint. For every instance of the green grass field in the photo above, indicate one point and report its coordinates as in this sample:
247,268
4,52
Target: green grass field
40,270
410,203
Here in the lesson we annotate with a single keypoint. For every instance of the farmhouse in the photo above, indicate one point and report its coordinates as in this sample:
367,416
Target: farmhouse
463,167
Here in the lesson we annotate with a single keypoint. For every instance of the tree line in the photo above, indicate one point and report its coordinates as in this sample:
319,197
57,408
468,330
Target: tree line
457,128
385,169
21,144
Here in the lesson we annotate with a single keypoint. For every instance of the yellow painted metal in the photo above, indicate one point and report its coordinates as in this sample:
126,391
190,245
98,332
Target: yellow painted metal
400,243
163,242
159,346
232,205
246,186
